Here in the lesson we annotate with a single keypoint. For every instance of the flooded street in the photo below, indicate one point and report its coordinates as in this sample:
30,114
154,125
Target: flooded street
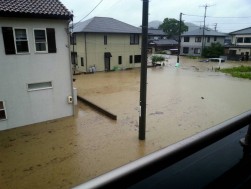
180,102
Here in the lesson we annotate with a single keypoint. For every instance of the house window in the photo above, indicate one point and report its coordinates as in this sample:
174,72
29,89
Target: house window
130,59
137,58
39,86
73,39
208,39
21,40
105,39
40,40
247,40
74,58
3,115
120,59
196,50
185,50
197,39
134,39
239,40
186,39
82,61
215,38
16,41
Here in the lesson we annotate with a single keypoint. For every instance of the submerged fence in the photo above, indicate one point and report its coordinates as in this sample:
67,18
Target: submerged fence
142,168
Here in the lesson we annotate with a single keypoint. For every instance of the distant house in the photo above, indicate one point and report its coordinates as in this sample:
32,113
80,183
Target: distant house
191,41
240,49
35,68
157,41
106,44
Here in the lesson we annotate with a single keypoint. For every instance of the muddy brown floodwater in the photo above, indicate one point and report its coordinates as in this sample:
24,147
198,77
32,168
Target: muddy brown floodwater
66,152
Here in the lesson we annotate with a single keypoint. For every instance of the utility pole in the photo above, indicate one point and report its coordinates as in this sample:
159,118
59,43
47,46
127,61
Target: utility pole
215,27
203,34
178,55
143,75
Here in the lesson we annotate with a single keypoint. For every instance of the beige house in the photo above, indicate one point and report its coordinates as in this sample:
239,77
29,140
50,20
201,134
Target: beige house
106,44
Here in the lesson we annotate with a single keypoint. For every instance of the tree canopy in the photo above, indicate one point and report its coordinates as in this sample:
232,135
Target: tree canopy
171,27
215,50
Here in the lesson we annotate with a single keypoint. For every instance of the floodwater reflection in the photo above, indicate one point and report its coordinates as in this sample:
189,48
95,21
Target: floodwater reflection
67,152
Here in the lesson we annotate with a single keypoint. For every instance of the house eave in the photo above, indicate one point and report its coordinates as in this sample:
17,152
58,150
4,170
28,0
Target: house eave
35,15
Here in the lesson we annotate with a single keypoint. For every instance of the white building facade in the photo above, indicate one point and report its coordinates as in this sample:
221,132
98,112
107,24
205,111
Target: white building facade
35,69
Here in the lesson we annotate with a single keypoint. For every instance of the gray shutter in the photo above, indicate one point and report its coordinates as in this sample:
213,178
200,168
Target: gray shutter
51,40
8,39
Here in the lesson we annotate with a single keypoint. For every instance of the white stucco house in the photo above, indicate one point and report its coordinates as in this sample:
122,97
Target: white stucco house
191,41
35,68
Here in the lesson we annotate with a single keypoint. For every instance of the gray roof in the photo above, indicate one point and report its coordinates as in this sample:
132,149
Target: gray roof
165,42
242,31
34,8
199,32
156,32
105,25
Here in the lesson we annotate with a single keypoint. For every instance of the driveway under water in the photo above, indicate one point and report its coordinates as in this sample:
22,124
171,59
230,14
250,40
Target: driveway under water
180,102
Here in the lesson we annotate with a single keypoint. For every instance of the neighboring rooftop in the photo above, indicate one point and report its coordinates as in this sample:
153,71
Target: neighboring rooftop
199,32
242,31
156,32
34,8
105,24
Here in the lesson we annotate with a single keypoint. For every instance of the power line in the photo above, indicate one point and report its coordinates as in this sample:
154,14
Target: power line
217,16
88,13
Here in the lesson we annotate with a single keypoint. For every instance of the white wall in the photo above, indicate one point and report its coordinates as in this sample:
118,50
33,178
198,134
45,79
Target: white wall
16,71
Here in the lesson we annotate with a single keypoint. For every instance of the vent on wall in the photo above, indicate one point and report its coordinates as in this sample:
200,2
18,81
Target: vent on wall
39,86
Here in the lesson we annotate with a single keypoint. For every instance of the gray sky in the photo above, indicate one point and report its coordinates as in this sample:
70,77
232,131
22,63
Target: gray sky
130,11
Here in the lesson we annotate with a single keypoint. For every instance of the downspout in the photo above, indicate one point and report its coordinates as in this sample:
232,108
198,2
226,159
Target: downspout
86,54
70,65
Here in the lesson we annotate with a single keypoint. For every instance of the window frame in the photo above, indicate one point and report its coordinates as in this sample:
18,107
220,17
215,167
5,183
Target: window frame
197,51
119,60
15,40
137,59
130,59
186,39
247,40
105,39
3,110
198,39
133,39
185,52
46,43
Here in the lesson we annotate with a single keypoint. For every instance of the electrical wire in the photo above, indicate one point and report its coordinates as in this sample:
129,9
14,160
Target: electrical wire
88,13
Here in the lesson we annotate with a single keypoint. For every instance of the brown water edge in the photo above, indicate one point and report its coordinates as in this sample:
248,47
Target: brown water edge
69,151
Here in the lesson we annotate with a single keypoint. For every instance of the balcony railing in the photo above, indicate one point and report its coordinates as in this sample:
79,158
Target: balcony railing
142,168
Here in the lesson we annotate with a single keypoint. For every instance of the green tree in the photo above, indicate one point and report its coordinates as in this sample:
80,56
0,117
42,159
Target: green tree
213,51
171,27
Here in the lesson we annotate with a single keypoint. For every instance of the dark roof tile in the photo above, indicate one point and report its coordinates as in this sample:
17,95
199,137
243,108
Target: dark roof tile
42,8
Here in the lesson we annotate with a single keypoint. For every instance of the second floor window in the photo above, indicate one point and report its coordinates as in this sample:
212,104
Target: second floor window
40,40
197,39
134,39
21,41
105,39
186,39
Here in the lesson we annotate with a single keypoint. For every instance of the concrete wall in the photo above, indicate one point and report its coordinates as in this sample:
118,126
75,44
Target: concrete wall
91,47
25,107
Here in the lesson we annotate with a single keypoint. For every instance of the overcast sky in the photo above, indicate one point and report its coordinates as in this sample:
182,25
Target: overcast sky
130,11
